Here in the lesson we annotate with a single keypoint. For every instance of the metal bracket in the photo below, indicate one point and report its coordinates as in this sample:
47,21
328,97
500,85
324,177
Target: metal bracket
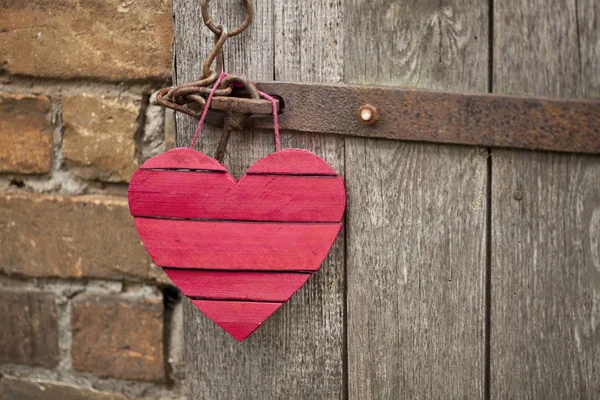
417,115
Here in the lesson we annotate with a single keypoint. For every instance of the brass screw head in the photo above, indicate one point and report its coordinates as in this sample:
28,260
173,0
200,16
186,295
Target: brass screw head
367,114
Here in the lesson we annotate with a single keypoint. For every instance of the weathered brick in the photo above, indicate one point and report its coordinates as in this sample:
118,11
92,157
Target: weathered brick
109,39
26,133
71,237
19,389
29,328
118,337
99,137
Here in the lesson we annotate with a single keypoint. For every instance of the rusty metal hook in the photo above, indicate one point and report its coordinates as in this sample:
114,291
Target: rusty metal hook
217,52
209,76
217,29
163,99
179,97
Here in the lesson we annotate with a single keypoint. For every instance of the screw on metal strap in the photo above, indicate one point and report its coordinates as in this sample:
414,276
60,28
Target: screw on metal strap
217,29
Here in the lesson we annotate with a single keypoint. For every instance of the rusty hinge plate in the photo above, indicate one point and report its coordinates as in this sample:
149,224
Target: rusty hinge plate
440,117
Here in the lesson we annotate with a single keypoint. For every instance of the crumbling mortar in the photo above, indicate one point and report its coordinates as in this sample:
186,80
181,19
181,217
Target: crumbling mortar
57,87
132,389
140,131
153,141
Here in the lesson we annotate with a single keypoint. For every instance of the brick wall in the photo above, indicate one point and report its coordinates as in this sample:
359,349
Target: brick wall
85,313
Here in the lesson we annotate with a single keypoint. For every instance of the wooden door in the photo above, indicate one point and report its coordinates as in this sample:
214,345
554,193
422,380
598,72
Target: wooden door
461,272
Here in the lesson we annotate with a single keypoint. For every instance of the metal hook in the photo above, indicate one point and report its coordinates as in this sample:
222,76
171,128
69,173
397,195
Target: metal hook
209,76
217,29
217,52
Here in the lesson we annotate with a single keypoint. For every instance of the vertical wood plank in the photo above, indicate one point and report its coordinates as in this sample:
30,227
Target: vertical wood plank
545,302
309,39
298,352
416,213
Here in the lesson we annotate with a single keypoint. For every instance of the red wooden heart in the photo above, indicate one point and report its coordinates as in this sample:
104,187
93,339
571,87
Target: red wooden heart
238,249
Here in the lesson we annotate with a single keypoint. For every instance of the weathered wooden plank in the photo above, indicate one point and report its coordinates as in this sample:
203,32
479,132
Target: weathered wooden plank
235,285
298,352
179,158
309,39
417,213
292,162
224,245
545,302
207,195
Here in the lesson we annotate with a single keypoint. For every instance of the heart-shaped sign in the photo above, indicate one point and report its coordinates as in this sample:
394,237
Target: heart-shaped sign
238,249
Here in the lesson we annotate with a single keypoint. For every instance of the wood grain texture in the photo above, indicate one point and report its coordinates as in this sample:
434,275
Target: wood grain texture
428,44
298,352
245,246
416,213
200,195
545,310
234,285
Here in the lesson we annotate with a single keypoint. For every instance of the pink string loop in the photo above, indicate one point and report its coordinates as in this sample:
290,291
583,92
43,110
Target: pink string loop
207,106
275,119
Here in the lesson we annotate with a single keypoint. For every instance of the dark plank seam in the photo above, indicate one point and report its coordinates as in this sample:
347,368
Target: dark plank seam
243,221
345,360
266,271
235,299
488,232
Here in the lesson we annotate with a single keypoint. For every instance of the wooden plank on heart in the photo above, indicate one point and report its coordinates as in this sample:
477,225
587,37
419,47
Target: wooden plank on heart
234,285
182,157
224,245
205,195
292,162
238,318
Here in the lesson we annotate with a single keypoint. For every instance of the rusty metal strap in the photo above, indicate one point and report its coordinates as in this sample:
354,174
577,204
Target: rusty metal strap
468,119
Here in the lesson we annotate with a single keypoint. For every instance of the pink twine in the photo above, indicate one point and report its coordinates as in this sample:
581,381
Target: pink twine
207,106
275,119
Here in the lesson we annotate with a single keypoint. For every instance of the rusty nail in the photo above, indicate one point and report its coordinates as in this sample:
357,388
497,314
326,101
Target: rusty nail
367,114
518,195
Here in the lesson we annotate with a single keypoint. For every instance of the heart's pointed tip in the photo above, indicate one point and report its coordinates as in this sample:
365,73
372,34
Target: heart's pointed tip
238,331
238,318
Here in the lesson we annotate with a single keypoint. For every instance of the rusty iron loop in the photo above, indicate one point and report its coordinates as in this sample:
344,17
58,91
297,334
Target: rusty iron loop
165,102
217,29
209,76
217,52
203,82
177,97
182,91
245,82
